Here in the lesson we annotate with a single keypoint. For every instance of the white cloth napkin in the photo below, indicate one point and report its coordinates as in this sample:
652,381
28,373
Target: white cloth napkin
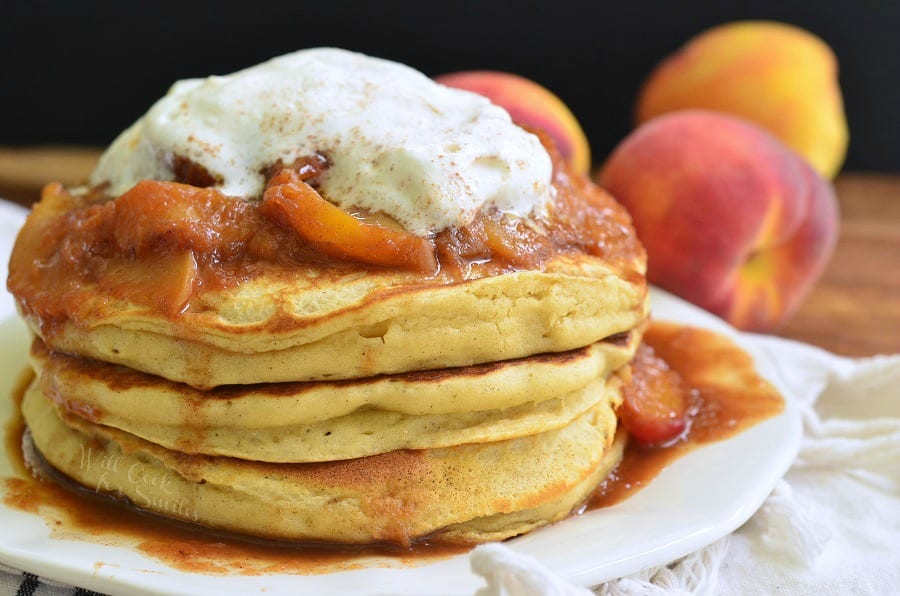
831,526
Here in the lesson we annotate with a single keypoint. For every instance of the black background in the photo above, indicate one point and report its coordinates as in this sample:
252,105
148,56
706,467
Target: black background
79,72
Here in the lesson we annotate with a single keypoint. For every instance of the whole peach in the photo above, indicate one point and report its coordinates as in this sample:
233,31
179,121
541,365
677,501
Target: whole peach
732,220
529,104
779,76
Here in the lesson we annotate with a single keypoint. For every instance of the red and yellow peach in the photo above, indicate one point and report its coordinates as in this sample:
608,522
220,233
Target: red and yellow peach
529,104
778,76
732,220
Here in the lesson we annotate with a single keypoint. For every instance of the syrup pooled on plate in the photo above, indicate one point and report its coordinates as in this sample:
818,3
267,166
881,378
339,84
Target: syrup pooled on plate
719,410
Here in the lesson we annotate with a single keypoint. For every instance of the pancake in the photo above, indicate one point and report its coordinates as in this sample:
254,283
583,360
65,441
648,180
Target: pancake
466,493
305,324
321,421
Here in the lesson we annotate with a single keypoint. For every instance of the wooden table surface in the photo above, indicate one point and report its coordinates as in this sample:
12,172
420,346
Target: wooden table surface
853,310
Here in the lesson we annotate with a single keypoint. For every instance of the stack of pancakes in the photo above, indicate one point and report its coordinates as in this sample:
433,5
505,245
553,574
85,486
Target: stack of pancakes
312,404
215,343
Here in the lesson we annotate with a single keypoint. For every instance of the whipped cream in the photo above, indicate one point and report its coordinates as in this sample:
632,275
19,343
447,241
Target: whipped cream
397,142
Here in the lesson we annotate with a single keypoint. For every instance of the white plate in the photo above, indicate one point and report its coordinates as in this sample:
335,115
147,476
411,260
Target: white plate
696,500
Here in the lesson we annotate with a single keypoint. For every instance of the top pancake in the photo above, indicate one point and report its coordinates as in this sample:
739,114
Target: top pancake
304,324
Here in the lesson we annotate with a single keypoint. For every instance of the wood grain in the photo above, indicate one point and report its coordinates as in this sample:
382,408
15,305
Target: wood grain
23,171
853,310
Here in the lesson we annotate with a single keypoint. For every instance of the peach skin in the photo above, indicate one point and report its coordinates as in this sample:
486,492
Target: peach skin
732,220
530,105
779,76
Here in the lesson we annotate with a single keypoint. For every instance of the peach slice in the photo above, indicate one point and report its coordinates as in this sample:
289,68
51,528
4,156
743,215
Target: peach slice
654,409
166,281
295,204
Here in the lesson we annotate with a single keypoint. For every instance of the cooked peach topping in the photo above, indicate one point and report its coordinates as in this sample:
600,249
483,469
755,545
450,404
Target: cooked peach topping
655,406
293,203
161,244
